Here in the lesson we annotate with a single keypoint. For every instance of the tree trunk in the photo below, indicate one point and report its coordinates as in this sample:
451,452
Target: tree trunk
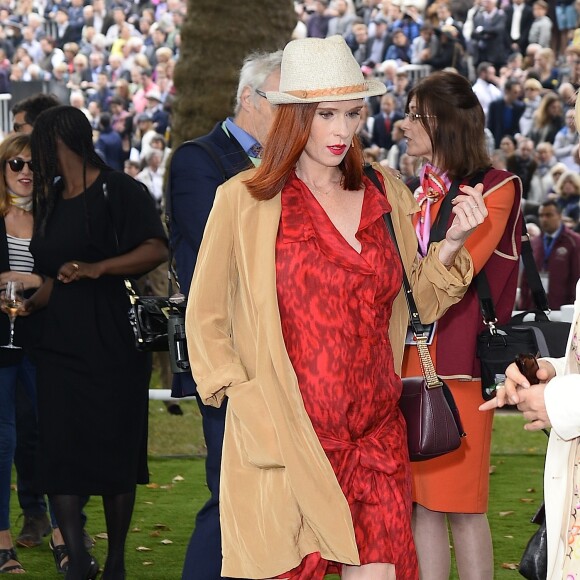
216,37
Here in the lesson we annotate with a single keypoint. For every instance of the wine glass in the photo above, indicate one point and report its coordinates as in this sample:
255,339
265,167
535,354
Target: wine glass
12,300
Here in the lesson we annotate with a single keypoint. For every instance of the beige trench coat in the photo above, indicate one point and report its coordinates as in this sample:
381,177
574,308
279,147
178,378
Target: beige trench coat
279,497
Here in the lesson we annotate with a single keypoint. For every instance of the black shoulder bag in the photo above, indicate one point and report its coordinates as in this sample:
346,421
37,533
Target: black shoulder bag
158,322
498,346
433,422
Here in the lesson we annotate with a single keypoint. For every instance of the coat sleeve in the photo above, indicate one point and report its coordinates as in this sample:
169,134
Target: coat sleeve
436,288
562,397
208,323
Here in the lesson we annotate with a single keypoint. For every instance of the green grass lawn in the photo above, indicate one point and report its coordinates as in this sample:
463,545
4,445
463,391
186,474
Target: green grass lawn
165,509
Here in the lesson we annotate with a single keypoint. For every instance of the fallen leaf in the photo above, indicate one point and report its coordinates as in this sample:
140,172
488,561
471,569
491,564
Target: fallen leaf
509,566
510,537
166,542
136,530
102,536
503,514
143,549
178,478
152,485
148,503
147,563
492,469
531,490
162,527
165,486
155,534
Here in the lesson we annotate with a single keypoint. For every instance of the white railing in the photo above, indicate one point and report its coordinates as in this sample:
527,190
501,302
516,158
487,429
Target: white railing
165,395
5,114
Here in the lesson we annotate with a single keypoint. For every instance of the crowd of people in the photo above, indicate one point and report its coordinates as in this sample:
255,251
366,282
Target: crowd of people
305,376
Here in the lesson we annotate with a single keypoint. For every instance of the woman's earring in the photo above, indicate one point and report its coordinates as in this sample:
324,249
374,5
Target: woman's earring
352,143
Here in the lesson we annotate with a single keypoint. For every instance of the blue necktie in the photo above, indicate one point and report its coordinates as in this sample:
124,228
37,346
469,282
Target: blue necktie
256,151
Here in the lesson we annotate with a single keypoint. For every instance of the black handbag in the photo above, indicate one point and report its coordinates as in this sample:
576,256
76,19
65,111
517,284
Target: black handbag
499,345
149,316
158,322
433,422
534,560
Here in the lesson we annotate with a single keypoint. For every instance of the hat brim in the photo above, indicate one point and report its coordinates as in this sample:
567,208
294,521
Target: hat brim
374,88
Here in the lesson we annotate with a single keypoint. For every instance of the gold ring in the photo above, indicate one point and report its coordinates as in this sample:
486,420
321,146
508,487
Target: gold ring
75,265
500,386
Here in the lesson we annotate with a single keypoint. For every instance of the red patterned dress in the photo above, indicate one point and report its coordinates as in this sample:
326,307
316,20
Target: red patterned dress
335,305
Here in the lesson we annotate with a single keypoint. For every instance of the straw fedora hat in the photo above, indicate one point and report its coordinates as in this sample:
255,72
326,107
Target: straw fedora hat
321,69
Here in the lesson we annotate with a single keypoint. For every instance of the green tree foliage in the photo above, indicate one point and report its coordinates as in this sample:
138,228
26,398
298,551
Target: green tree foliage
216,36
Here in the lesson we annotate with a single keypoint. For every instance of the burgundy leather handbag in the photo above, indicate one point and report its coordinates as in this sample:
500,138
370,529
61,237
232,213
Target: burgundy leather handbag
433,422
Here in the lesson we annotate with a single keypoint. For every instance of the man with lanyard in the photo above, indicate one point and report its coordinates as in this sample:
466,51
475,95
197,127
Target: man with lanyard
557,256
197,169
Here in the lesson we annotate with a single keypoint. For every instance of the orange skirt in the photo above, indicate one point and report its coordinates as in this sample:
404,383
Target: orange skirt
459,481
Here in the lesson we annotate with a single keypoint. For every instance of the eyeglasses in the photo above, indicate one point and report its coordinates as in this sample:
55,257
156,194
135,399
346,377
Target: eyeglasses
17,165
415,117
261,93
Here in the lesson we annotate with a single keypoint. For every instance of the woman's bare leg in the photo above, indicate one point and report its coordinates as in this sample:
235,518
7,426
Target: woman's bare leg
472,545
369,572
432,543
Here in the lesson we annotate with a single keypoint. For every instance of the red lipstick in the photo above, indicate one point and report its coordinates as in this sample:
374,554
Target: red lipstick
337,149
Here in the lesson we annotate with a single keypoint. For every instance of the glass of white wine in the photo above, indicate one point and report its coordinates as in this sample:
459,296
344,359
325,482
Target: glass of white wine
12,299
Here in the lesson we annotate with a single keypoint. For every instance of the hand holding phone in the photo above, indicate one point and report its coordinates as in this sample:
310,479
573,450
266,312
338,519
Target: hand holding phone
528,365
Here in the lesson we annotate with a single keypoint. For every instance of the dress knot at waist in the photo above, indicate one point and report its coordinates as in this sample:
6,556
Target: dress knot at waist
362,462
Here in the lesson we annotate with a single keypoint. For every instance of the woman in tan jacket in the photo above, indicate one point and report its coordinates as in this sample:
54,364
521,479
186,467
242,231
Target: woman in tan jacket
297,317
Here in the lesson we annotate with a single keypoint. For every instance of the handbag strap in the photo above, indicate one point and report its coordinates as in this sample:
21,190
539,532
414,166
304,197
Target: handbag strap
131,293
419,330
486,304
441,223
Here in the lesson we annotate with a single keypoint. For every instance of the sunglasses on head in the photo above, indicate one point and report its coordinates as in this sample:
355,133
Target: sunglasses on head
17,165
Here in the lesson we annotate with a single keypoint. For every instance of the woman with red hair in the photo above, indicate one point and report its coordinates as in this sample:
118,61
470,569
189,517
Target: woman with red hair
296,314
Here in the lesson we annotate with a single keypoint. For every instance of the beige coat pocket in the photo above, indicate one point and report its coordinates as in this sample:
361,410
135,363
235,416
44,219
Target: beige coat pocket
253,426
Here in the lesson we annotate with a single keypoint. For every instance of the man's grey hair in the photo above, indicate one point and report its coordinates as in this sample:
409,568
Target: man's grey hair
257,67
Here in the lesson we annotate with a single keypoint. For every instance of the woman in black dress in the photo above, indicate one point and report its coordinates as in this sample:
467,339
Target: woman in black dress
93,227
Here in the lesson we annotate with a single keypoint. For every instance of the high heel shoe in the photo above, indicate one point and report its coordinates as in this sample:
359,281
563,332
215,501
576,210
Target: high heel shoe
93,569
59,553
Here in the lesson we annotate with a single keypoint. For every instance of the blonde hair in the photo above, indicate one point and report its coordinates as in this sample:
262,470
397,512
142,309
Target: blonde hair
567,176
12,146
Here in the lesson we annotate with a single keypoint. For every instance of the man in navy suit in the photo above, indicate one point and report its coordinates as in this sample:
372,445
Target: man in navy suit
195,174
385,121
503,115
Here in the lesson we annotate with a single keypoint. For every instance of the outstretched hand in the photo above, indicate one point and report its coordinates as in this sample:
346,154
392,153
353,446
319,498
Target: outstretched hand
511,391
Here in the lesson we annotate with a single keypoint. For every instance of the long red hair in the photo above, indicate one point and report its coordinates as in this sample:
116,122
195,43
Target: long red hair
286,141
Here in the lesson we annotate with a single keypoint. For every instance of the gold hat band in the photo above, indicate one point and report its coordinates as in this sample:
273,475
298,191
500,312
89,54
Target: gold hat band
330,91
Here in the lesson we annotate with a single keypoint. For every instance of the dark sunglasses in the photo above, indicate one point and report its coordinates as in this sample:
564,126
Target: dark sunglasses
17,165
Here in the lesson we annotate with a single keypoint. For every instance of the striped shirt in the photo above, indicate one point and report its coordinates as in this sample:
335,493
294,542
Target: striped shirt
19,255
